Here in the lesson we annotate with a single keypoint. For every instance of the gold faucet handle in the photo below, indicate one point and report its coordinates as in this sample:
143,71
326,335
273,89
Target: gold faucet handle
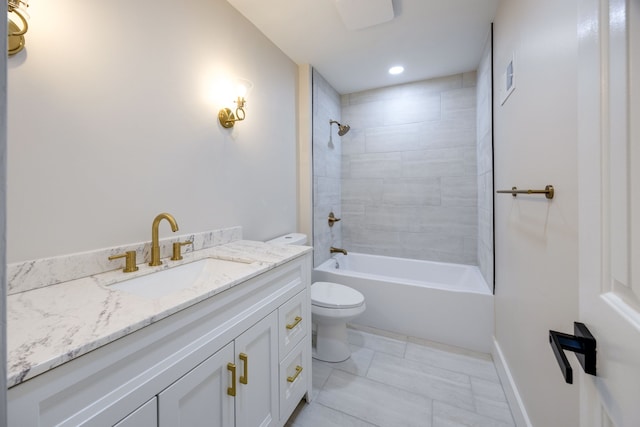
332,219
130,261
177,255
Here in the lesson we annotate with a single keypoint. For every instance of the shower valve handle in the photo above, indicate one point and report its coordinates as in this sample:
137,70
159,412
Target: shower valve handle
332,219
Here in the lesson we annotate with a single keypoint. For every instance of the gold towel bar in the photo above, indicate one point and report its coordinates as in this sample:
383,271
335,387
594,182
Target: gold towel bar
548,191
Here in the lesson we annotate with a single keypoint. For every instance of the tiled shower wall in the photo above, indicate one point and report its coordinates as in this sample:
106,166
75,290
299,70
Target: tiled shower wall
327,152
485,167
409,173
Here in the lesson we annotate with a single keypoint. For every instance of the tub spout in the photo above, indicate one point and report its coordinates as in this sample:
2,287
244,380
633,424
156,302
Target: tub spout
337,250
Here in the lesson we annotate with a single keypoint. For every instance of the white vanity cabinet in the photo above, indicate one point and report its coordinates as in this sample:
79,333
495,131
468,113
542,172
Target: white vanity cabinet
243,375
146,415
178,371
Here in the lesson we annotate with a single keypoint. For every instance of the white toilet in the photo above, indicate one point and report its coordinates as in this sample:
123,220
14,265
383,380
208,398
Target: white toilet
332,306
290,239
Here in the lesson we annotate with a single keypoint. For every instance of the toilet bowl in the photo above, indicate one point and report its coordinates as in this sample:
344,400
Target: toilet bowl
332,306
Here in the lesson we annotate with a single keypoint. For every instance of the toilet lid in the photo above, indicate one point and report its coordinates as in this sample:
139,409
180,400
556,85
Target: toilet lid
333,295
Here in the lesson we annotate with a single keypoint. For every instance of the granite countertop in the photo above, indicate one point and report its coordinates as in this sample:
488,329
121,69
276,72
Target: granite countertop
49,326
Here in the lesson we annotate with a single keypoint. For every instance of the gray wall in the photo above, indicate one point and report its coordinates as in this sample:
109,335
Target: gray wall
485,166
134,132
327,149
539,117
3,239
409,175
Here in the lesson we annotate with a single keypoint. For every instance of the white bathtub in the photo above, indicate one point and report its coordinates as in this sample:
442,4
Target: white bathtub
447,303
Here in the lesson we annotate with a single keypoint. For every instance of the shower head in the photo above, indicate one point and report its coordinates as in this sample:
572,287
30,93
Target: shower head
342,129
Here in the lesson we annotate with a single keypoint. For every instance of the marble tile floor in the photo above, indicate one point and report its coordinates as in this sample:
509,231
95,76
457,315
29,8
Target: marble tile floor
394,381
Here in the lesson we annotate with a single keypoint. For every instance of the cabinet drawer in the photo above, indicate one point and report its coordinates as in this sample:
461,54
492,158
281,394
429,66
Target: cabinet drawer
293,378
293,321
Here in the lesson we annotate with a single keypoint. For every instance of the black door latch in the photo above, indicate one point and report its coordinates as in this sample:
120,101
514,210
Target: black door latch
583,344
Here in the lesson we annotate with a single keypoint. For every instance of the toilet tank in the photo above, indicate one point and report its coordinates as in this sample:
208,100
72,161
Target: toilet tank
290,239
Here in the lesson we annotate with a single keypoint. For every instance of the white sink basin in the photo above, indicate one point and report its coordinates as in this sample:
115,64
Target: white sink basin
158,284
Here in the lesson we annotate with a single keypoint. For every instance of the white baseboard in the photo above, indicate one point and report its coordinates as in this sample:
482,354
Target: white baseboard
518,410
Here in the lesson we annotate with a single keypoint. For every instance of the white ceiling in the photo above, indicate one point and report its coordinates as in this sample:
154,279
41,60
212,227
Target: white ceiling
430,38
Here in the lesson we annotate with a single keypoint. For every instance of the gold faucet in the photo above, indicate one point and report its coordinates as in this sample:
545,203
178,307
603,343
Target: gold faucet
155,246
335,250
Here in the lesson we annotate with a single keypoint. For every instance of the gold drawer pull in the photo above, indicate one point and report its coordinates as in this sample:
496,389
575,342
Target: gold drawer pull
294,376
297,320
231,391
244,379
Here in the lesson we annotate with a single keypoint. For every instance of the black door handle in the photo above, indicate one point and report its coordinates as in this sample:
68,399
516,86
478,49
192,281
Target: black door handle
583,344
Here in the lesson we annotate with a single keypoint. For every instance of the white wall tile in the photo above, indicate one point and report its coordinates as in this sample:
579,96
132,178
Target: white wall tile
375,165
410,191
327,167
409,169
363,190
394,138
469,79
412,109
460,190
436,162
459,99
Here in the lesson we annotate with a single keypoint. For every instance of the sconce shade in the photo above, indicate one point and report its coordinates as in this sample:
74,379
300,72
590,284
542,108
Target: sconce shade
226,116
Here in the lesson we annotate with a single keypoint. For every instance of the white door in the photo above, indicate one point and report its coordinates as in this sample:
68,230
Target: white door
609,210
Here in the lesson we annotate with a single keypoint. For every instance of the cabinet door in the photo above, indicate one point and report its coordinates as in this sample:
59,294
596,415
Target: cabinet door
257,357
144,416
200,397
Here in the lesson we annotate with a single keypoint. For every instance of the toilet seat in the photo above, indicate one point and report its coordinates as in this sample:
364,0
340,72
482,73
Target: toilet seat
335,296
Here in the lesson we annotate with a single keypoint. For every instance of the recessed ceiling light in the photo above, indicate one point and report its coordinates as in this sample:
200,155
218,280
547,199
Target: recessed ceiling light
396,70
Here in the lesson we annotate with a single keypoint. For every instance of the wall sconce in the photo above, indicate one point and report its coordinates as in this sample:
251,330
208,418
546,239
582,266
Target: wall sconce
15,33
226,117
